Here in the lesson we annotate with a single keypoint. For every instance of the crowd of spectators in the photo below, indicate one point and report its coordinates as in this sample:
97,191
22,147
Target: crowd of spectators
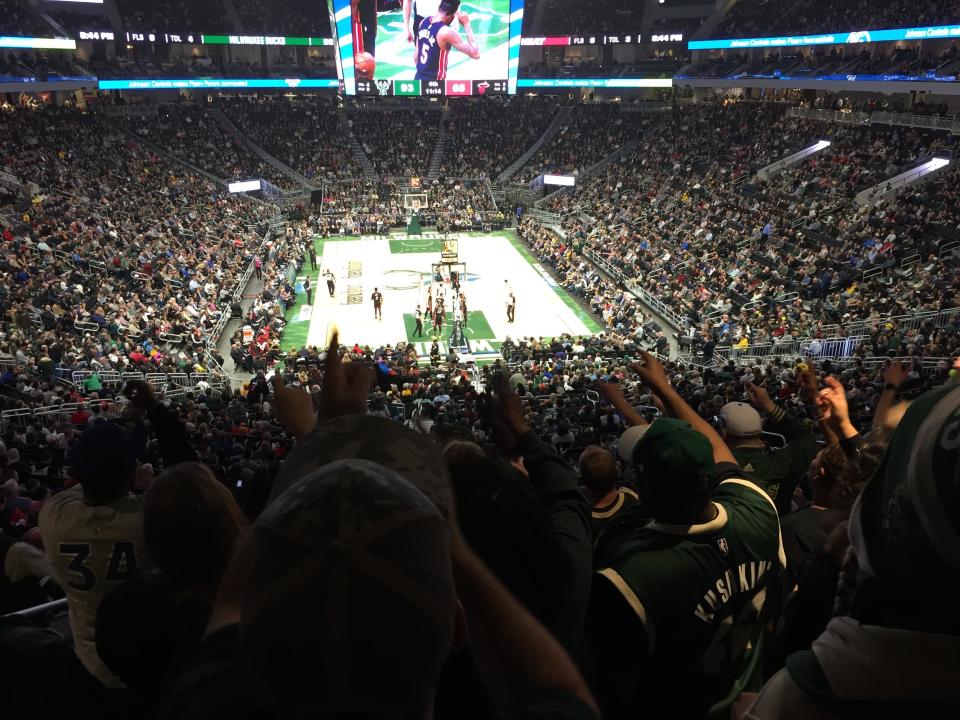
772,262
220,504
590,134
621,534
759,18
17,18
569,17
175,16
297,18
191,133
484,137
114,262
399,143
303,132
205,66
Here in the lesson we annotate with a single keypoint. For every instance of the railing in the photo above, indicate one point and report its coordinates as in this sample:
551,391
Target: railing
655,304
169,386
950,124
914,321
9,180
53,607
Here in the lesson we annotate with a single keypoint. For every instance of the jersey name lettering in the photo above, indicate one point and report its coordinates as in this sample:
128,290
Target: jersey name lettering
745,579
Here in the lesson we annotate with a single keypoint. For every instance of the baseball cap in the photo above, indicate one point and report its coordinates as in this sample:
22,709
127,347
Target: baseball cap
628,441
671,446
103,450
351,601
905,526
741,419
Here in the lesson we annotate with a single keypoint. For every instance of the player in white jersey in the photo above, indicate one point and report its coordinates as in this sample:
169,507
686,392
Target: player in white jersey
421,9
93,533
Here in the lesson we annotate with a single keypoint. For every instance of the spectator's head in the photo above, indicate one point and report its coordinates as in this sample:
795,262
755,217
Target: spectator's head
674,466
103,462
826,474
742,424
599,472
905,526
351,605
191,525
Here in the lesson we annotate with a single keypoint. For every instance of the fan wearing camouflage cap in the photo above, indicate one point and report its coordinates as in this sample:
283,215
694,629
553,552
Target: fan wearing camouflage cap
679,601
356,584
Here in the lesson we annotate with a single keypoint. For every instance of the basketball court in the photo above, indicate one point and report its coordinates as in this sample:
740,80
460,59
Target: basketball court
488,266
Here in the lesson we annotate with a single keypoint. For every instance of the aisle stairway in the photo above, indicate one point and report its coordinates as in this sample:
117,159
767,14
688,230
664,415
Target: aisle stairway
439,150
559,120
234,132
369,172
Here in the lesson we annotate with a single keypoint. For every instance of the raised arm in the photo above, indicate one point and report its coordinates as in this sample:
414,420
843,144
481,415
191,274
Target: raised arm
652,373
893,377
613,394
451,37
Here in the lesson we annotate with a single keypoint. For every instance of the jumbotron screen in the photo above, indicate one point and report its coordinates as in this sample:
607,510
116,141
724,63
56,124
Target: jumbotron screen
428,47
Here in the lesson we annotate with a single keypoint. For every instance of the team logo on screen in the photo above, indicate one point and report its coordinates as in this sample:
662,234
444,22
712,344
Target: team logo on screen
383,87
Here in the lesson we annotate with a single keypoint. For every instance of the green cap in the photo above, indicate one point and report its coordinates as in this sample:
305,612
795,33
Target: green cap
673,447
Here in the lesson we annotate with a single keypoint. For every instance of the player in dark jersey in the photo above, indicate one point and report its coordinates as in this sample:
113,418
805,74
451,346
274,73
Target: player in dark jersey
364,14
435,37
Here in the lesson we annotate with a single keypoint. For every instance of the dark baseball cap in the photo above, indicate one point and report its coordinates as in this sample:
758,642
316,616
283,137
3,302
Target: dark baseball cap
672,447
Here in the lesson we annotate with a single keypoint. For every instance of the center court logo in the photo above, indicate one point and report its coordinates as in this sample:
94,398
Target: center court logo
412,279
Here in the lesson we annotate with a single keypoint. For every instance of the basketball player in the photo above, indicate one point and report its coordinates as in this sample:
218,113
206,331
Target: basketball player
463,307
331,282
421,9
511,307
435,37
377,304
364,13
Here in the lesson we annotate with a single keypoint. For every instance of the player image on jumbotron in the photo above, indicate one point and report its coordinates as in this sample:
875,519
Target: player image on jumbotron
414,47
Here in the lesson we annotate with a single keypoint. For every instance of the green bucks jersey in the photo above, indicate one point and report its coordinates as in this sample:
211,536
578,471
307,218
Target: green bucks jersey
697,593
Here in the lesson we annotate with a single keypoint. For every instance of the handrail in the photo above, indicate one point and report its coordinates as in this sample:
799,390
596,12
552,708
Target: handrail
52,606
861,118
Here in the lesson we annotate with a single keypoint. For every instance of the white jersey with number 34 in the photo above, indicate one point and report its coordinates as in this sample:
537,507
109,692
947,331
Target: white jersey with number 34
92,548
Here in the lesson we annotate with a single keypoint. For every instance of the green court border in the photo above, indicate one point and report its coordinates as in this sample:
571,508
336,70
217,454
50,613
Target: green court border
294,335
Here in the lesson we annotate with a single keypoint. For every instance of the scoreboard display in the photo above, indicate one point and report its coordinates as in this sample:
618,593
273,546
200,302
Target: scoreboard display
386,48
431,88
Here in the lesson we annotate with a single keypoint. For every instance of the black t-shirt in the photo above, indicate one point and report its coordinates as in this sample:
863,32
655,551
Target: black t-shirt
804,533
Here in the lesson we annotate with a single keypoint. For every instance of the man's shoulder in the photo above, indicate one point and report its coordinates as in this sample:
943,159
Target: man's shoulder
62,500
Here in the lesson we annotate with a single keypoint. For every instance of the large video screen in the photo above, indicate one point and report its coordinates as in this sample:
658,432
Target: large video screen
428,47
